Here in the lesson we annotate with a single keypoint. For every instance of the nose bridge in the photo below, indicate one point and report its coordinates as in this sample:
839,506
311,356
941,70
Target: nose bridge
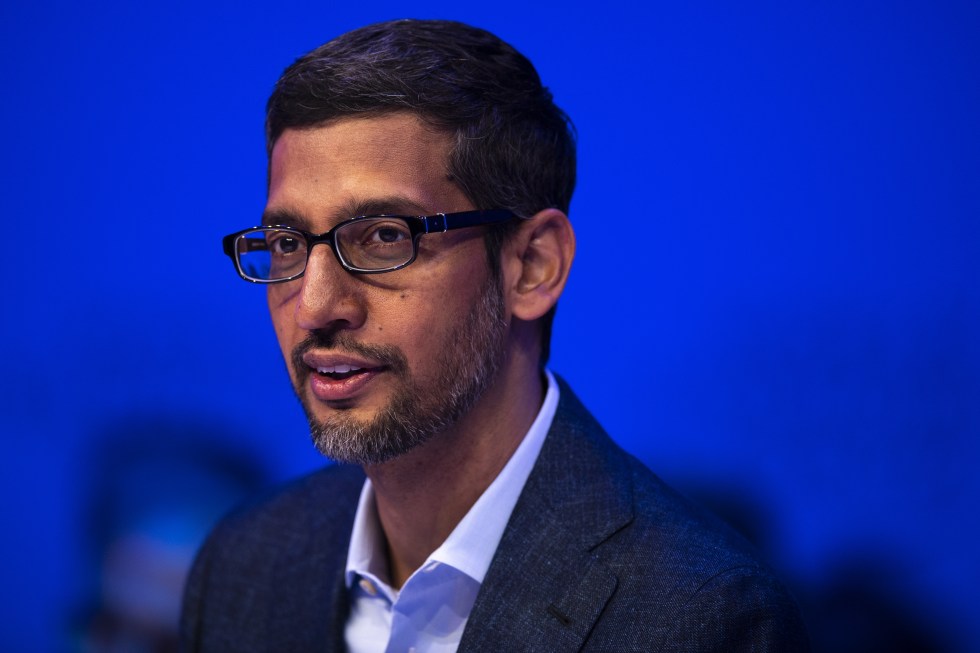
322,239
330,296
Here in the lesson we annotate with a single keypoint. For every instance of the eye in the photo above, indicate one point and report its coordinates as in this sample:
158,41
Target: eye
375,243
282,243
386,233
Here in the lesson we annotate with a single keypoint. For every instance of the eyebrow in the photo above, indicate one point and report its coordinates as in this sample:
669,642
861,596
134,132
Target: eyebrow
283,217
393,205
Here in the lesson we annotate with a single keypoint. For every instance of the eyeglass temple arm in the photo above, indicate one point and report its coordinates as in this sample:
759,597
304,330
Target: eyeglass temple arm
445,222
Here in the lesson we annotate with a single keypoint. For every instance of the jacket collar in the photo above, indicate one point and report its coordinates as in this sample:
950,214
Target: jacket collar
545,583
311,613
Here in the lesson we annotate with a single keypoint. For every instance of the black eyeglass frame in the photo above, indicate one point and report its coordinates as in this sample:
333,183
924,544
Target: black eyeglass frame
417,225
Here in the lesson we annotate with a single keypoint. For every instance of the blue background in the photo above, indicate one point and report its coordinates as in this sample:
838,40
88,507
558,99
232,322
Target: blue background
797,334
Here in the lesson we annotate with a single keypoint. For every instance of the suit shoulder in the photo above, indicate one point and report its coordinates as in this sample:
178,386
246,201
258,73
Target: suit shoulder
709,585
691,531
283,520
687,547
739,609
698,584
280,551
328,493
594,486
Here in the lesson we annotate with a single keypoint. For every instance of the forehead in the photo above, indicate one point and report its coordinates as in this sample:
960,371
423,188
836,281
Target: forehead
326,172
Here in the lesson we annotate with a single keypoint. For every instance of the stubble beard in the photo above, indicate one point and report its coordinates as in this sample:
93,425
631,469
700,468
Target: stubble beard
468,364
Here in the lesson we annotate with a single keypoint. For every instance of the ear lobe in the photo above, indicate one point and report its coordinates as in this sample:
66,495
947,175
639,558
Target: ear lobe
542,258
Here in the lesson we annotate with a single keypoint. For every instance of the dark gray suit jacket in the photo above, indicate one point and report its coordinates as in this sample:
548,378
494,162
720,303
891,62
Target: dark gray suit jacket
599,555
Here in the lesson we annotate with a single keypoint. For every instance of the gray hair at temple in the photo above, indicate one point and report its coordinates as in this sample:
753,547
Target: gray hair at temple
513,148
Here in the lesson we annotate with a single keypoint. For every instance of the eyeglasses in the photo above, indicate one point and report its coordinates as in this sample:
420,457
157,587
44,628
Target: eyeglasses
368,244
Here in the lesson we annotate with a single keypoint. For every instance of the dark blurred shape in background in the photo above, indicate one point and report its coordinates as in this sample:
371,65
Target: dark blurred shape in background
860,608
156,486
858,605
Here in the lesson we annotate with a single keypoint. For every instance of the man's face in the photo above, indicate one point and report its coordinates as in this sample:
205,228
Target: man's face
381,362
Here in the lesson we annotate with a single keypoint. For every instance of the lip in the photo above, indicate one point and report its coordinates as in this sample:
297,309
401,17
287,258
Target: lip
331,390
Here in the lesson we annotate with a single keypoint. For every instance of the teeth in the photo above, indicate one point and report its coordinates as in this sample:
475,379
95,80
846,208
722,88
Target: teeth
337,369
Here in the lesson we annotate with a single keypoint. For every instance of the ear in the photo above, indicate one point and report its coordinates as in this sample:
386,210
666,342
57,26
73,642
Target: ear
539,257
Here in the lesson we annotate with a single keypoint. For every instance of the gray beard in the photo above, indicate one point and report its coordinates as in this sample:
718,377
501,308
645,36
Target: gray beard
468,364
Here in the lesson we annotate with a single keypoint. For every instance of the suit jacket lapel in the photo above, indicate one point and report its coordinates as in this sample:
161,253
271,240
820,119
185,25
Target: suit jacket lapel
311,613
545,588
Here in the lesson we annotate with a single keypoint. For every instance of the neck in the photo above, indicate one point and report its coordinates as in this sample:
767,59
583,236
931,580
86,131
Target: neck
422,495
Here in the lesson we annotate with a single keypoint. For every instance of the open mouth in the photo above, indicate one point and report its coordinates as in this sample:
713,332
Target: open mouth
340,372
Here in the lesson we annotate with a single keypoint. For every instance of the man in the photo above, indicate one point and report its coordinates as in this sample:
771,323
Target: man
415,243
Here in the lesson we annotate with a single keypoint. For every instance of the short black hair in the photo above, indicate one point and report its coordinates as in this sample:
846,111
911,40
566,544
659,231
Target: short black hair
512,147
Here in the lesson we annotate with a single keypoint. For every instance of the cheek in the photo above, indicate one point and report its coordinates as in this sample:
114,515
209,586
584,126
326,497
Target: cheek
282,314
402,318
426,321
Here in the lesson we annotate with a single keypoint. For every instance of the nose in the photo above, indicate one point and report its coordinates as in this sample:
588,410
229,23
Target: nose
330,298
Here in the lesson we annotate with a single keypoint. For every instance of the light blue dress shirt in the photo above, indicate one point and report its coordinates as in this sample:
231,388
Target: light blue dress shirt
430,611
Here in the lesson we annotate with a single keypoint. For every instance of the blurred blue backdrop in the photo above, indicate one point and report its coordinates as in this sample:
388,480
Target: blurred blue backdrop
800,346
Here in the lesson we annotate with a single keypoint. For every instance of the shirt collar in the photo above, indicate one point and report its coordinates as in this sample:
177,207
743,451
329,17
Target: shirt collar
471,545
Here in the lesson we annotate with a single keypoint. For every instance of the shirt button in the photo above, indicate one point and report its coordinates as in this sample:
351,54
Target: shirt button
368,586
430,567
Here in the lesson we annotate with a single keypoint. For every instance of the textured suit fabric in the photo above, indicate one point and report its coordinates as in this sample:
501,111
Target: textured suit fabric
599,555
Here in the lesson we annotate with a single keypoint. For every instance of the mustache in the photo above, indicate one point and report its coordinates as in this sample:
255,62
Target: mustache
387,355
